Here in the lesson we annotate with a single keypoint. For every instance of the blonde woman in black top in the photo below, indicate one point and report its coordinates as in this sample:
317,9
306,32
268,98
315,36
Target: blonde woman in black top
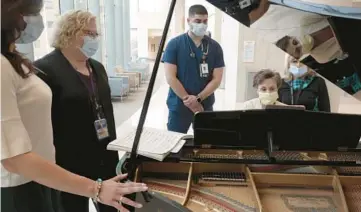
28,169
302,86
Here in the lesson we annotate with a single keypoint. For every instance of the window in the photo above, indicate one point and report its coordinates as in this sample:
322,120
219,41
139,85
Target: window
50,24
153,6
81,4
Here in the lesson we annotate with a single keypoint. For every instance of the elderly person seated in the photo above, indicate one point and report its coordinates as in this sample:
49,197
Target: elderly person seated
267,83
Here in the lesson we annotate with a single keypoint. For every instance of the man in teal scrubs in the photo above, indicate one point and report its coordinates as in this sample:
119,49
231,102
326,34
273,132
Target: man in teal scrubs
194,67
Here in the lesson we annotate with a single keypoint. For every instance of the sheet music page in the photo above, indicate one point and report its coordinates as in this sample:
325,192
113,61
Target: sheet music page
154,141
179,146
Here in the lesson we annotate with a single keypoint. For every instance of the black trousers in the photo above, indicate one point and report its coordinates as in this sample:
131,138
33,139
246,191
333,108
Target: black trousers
105,171
30,197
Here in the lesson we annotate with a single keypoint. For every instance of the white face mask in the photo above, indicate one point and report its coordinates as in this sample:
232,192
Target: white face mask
90,46
298,71
34,28
268,98
198,29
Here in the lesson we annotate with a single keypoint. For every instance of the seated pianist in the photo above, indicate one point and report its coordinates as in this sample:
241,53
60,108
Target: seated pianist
267,83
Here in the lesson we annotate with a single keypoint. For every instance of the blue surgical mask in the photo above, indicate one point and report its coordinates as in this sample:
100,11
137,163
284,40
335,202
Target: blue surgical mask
298,71
198,29
90,46
34,28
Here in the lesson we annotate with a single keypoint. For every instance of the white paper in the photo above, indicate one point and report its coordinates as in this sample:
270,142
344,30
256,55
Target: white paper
179,146
248,51
153,141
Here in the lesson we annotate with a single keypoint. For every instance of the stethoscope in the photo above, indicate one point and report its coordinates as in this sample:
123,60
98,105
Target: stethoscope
193,54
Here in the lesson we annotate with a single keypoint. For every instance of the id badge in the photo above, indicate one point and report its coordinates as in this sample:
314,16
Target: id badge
204,70
101,128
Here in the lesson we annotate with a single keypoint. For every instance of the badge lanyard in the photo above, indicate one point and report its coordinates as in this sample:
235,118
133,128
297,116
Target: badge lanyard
100,124
204,72
203,67
93,91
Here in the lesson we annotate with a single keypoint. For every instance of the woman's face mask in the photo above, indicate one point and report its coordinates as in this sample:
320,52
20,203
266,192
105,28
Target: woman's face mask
268,98
198,29
90,46
298,71
34,28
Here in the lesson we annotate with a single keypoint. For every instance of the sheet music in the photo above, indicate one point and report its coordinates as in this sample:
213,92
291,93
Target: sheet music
179,146
152,141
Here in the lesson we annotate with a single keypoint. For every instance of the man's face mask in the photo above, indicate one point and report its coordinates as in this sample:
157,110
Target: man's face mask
198,29
267,98
90,46
34,28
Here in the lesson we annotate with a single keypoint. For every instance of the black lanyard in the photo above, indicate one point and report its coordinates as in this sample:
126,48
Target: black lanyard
204,52
92,91
294,99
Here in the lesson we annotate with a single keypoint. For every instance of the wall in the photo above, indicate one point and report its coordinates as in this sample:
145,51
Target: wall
349,104
230,37
142,36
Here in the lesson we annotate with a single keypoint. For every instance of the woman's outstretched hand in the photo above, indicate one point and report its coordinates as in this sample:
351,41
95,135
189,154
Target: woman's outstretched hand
112,192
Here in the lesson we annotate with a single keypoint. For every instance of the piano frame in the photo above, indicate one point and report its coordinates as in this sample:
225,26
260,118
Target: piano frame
257,182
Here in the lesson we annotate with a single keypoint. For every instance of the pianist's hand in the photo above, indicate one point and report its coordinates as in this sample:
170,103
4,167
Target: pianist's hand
112,192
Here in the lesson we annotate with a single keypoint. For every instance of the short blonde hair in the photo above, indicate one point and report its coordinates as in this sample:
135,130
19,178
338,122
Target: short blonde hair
288,61
70,26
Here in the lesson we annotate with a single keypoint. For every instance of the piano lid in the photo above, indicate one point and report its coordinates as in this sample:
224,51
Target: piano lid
333,25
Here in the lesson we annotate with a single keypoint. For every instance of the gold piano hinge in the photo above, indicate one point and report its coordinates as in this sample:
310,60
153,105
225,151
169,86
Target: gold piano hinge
206,146
342,149
323,156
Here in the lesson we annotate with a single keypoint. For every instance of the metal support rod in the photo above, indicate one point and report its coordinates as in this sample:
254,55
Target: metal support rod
133,156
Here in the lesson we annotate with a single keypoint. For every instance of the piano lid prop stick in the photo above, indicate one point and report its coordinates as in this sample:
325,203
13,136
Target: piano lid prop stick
133,156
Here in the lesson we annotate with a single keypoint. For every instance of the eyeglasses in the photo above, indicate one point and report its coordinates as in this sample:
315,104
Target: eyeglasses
91,33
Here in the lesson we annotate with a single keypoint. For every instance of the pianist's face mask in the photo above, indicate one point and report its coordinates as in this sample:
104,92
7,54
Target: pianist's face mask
34,28
268,98
198,29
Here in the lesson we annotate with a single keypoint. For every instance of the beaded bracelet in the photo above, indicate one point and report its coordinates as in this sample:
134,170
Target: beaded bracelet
99,187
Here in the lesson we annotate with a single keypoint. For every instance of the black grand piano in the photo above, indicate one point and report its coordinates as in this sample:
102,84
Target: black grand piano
229,166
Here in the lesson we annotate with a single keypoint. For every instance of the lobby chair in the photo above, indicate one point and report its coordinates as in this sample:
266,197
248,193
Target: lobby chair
134,77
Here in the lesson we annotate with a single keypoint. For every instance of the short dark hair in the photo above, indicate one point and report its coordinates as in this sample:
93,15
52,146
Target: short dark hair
264,74
283,43
197,10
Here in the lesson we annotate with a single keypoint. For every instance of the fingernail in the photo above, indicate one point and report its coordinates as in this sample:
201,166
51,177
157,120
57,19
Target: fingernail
139,205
